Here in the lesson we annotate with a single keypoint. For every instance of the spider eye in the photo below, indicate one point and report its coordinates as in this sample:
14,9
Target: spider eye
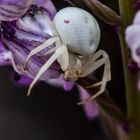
66,21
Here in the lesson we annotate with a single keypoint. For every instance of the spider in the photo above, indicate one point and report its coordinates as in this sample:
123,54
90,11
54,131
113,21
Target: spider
76,39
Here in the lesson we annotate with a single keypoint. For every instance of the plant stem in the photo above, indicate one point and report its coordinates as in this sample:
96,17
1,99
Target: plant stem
132,94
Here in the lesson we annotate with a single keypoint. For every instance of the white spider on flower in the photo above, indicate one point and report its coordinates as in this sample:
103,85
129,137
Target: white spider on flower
77,36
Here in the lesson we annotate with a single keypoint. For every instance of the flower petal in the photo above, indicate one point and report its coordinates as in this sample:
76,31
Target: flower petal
132,35
20,40
137,18
68,85
60,82
22,36
13,9
90,108
5,55
21,80
48,6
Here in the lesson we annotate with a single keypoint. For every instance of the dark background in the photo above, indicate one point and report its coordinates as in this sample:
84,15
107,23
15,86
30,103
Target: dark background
50,113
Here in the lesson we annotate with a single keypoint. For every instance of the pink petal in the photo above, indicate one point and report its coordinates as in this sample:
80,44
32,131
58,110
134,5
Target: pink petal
47,5
68,85
90,108
60,82
21,80
132,35
137,18
13,9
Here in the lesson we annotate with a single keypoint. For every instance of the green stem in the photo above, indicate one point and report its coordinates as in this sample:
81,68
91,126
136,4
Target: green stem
132,94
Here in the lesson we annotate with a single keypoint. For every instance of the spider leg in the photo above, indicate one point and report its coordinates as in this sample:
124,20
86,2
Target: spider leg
91,64
14,64
94,64
63,59
18,69
50,51
53,58
39,48
107,71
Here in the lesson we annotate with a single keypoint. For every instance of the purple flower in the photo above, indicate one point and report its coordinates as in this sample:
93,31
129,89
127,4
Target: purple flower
133,39
5,55
20,80
23,28
48,6
91,108
133,42
26,33
60,82
13,9
19,37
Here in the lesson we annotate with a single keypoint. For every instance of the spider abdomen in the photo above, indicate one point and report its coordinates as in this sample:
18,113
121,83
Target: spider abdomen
78,29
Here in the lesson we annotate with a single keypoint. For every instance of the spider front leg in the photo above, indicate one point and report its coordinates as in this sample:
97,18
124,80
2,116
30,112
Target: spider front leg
41,47
61,52
93,63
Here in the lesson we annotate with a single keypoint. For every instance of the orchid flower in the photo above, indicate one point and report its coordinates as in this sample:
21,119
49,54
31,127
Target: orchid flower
133,39
23,29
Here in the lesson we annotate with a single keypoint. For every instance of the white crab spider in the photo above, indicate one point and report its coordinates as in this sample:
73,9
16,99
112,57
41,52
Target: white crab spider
77,37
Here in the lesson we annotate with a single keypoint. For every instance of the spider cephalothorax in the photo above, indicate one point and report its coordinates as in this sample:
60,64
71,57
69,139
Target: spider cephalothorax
77,36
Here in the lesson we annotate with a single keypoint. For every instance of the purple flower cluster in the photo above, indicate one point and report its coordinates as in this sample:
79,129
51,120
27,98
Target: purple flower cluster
132,35
20,36
23,26
133,39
